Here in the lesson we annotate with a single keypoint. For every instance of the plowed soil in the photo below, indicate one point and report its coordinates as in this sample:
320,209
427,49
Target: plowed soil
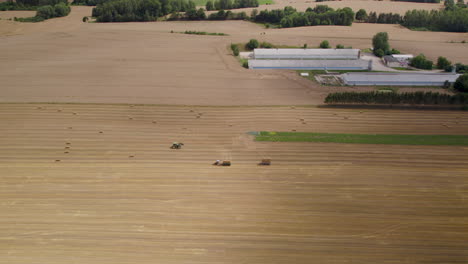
99,184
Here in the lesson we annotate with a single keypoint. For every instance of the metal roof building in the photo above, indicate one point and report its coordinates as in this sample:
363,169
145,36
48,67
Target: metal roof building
311,54
398,79
311,64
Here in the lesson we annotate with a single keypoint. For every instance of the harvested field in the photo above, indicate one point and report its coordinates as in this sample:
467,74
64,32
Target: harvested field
122,196
66,60
12,14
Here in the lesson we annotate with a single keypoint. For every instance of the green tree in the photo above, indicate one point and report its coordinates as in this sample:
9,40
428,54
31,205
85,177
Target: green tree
45,12
443,63
209,6
61,10
324,44
339,46
235,49
380,42
421,62
379,53
461,84
252,44
449,5
361,15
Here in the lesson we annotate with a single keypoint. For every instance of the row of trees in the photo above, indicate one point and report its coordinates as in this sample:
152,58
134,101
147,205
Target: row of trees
28,4
40,2
420,1
140,10
384,18
446,20
46,12
320,15
88,2
229,4
391,98
200,14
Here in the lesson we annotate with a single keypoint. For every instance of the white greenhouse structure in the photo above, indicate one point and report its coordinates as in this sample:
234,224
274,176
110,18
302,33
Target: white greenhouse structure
311,64
307,54
399,79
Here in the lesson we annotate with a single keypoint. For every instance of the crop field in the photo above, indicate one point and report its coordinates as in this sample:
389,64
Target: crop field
98,184
88,112
66,60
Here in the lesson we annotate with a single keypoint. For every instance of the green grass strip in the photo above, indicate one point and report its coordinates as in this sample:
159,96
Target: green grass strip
433,140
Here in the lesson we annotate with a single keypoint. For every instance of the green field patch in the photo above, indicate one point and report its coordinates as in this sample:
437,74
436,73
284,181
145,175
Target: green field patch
433,140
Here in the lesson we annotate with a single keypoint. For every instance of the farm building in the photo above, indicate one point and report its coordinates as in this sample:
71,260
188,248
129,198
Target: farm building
390,61
399,79
307,54
311,64
397,60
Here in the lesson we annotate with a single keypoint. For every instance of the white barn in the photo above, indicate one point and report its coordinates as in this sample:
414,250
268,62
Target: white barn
398,79
311,64
311,54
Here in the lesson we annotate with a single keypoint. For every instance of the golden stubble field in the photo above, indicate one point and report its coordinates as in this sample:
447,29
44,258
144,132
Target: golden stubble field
120,195
97,183
65,60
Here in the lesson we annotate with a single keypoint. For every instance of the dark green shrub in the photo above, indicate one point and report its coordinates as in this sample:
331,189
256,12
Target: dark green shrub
443,63
61,10
235,49
421,62
252,44
324,44
339,46
379,53
266,45
461,84
45,12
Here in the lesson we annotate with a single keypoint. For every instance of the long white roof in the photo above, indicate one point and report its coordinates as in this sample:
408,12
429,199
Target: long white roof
310,64
398,78
306,53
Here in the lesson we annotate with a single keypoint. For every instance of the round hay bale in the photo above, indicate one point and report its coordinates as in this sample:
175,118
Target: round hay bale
57,160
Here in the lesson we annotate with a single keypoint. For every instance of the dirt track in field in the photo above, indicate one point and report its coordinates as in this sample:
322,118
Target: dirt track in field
327,203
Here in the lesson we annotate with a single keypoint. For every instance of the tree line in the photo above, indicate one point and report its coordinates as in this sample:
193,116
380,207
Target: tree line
384,18
29,4
229,4
45,12
319,15
138,10
419,1
445,20
287,17
391,98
